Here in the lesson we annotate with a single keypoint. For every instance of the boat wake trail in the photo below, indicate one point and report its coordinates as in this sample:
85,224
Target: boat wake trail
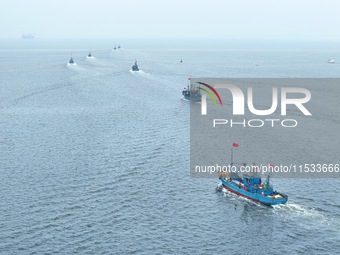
219,186
302,211
74,67
137,72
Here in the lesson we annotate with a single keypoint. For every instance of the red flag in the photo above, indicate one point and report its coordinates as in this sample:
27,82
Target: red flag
235,145
189,79
185,88
271,165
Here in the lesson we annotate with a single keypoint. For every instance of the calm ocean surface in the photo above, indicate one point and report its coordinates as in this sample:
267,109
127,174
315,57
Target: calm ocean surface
94,159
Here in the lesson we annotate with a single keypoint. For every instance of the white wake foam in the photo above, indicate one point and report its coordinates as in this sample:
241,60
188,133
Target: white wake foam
137,72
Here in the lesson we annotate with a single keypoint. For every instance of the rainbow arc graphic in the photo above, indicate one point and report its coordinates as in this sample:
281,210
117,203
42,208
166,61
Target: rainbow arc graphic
211,92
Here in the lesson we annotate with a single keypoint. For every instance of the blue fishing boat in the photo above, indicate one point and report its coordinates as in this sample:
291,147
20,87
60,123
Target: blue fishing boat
191,93
251,187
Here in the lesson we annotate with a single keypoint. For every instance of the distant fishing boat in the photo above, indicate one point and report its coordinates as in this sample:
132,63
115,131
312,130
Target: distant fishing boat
71,62
191,93
135,67
115,48
27,36
89,55
181,61
118,47
251,186
331,61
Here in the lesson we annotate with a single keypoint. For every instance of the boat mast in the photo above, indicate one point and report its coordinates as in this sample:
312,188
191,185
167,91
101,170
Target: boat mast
268,176
267,182
232,153
232,156
189,84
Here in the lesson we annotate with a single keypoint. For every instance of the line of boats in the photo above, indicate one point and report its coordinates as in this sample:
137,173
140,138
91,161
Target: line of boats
71,62
248,185
134,67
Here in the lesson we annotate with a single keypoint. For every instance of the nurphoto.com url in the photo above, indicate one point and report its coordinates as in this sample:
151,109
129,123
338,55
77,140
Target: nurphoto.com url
268,169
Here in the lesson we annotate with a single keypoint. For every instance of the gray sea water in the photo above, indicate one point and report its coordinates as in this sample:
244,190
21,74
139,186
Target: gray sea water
94,159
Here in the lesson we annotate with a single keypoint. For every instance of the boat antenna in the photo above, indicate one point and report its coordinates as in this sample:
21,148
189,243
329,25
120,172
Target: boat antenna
188,83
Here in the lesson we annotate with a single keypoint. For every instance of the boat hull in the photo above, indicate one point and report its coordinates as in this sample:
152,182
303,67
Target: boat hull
194,99
188,96
253,196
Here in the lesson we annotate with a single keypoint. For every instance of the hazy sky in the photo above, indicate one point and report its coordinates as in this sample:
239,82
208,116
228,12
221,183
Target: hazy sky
266,19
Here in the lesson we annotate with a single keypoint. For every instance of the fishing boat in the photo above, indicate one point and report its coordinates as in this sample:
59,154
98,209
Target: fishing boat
89,55
118,47
251,186
191,93
71,61
331,61
115,48
181,61
135,67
